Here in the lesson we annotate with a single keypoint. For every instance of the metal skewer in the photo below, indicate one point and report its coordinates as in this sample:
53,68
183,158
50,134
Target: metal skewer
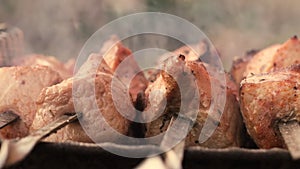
290,131
174,135
7,118
13,151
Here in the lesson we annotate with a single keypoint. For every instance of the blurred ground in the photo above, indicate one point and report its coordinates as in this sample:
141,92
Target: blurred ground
60,27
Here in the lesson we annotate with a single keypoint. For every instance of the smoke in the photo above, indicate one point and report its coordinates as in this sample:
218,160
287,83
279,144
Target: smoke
60,27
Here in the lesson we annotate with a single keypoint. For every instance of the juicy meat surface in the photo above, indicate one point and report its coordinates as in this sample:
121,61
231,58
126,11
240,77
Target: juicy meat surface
19,90
267,99
229,130
59,99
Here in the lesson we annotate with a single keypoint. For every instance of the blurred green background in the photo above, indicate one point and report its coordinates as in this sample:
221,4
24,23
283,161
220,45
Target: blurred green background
60,27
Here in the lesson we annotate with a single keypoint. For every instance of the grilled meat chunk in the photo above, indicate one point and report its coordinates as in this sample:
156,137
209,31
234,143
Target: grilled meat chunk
288,54
59,99
239,66
19,91
267,99
275,57
262,61
229,130
50,61
194,52
114,53
201,51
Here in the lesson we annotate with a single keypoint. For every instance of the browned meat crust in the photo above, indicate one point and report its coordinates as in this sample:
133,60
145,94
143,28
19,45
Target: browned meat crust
50,61
267,99
261,62
19,90
229,130
57,100
239,66
288,54
275,57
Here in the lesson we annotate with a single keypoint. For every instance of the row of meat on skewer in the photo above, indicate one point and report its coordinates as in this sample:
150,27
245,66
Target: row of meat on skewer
261,90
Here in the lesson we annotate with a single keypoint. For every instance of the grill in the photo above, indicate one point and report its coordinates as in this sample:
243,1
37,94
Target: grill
82,155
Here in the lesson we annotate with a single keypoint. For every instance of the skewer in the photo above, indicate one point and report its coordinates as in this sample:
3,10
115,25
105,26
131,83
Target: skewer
13,151
290,131
7,118
176,132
